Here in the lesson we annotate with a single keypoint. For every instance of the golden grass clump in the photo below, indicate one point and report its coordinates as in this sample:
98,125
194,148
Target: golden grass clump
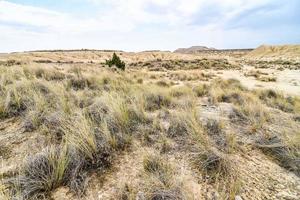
15,99
201,90
42,173
160,180
252,113
185,124
277,100
157,98
4,194
78,133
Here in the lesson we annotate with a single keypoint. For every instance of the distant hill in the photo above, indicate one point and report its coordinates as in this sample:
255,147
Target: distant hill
275,52
193,49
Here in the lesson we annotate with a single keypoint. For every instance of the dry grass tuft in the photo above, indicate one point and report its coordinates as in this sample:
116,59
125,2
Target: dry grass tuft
157,99
160,180
4,194
212,163
279,101
186,124
285,150
201,90
218,169
215,130
43,173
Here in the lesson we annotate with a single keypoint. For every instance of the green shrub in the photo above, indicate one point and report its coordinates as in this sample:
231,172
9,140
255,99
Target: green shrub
116,61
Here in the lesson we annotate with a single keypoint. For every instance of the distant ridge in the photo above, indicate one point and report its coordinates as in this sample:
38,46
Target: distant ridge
71,50
193,49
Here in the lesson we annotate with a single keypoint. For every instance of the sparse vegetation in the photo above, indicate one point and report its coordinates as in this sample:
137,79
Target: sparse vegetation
81,121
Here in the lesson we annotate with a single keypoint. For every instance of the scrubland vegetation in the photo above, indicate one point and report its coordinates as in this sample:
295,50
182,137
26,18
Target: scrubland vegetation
84,119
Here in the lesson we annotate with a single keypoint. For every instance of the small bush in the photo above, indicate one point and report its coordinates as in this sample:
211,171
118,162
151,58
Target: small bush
116,61
230,91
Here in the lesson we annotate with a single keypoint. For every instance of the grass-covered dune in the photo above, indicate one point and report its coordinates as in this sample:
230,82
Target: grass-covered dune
67,124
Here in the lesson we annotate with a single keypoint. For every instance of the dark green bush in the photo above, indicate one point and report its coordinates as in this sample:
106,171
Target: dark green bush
116,61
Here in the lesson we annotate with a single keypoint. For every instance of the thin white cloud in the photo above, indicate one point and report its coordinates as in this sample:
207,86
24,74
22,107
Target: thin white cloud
29,15
130,25
123,15
52,21
178,10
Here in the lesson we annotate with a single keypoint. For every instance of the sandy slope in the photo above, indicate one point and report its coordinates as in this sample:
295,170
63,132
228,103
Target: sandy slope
276,52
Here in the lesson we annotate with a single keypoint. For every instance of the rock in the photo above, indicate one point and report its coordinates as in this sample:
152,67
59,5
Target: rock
140,196
238,198
280,186
287,196
297,118
61,193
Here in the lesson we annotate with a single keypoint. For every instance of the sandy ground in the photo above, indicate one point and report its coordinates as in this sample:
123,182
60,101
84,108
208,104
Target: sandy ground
288,81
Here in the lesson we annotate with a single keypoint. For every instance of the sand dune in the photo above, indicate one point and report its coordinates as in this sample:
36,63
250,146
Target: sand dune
276,52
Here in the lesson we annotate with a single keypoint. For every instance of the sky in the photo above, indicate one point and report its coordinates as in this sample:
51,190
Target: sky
136,25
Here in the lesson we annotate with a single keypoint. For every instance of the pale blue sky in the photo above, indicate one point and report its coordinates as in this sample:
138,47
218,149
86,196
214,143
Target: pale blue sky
136,25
